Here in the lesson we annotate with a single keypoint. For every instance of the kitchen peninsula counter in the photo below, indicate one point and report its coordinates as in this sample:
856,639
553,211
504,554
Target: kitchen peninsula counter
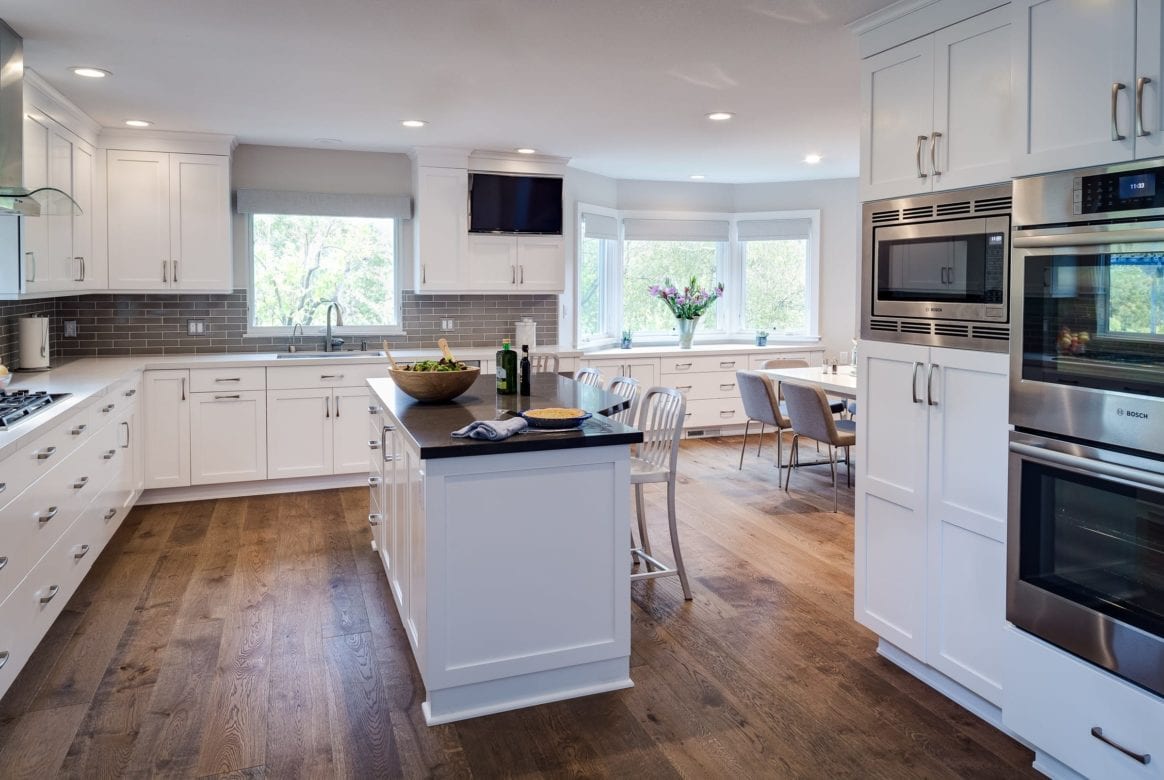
509,561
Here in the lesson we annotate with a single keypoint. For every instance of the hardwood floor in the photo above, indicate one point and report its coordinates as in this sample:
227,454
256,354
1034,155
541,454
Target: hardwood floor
256,637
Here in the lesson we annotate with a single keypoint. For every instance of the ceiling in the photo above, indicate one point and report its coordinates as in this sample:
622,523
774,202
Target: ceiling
622,87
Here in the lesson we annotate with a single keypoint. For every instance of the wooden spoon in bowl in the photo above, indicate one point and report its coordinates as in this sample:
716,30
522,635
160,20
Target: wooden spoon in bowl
392,360
448,353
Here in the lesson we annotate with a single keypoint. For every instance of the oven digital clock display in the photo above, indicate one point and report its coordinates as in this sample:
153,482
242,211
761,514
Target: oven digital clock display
1141,185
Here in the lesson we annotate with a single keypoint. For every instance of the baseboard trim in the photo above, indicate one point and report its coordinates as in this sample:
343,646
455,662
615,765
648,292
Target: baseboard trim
255,488
954,691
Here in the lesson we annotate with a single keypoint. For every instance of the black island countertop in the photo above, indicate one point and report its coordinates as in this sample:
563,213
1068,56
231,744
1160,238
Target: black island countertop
430,425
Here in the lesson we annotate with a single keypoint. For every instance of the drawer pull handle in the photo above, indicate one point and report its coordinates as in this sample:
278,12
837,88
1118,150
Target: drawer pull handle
3,658
727,364
373,481
3,561
49,515
51,594
389,427
109,454
46,453
81,552
728,386
3,486
130,392
727,413
682,366
331,376
683,388
228,379
79,429
108,408
1143,758
110,514
80,483
373,444
231,397
373,409
374,519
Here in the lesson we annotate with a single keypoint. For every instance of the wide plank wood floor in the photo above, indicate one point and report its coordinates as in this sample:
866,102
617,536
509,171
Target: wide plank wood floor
256,637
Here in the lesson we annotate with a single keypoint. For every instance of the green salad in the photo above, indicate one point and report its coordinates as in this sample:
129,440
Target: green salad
444,364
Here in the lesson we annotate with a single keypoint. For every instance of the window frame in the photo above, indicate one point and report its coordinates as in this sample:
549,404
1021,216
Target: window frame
729,270
611,312
321,330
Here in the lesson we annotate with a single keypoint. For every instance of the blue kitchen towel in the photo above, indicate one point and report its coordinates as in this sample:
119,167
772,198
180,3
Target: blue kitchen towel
492,430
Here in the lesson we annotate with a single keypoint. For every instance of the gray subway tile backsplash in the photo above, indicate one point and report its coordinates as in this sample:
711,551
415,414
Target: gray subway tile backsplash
151,323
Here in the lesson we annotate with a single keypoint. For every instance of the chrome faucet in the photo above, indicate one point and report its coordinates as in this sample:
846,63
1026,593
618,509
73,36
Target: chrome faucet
331,344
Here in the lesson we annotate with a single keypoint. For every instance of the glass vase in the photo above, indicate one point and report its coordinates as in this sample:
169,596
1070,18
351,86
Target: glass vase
686,331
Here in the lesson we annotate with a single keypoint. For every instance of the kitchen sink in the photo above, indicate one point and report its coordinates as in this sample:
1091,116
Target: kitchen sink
317,355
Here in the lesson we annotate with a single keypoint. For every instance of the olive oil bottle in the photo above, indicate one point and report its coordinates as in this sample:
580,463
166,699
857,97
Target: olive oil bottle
506,370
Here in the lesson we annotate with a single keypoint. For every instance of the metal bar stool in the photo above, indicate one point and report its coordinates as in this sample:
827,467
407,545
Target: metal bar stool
589,376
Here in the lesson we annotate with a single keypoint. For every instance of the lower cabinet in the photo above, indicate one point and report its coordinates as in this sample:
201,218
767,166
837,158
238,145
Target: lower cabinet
228,437
317,431
167,428
930,529
646,370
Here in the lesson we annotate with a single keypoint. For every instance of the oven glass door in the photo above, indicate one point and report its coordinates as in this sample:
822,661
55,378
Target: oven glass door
1096,542
1094,319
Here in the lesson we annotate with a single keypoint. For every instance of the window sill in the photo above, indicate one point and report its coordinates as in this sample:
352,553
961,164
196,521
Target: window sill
266,333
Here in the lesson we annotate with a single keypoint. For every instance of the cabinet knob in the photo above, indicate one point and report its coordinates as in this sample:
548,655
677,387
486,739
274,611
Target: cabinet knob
81,552
49,514
374,519
46,453
109,454
79,429
80,483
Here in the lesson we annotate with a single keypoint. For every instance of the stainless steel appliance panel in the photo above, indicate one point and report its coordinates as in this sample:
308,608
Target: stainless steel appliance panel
1085,553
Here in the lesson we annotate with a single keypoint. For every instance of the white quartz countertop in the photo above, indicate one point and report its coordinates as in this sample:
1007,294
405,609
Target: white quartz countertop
701,349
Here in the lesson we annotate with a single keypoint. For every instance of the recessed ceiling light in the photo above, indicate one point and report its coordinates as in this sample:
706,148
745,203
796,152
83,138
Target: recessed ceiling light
138,123
414,123
812,159
90,73
698,176
720,116
526,150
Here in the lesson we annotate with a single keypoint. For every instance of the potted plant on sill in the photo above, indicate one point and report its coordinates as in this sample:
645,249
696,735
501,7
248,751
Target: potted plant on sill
688,305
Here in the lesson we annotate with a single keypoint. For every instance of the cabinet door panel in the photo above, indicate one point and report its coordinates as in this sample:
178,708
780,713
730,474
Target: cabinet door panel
647,372
228,437
492,263
299,433
972,101
1068,54
1150,65
897,100
349,430
139,220
167,429
541,265
200,249
37,264
60,225
88,275
440,229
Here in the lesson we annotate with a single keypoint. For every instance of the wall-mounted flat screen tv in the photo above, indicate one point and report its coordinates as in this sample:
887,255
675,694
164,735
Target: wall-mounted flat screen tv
499,203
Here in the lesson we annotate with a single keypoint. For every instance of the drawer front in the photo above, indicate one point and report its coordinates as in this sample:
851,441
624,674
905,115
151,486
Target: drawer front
34,459
309,377
756,362
715,413
720,384
1054,700
27,613
218,380
697,364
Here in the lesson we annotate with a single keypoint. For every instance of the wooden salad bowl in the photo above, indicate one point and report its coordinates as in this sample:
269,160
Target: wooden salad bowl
434,385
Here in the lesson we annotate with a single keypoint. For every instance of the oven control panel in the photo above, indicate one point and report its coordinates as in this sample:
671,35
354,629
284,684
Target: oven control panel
1105,193
994,275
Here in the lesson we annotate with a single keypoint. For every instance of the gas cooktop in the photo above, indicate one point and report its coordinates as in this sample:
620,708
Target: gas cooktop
19,404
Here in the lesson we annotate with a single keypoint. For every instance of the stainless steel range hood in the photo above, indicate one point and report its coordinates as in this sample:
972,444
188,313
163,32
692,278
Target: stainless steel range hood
15,198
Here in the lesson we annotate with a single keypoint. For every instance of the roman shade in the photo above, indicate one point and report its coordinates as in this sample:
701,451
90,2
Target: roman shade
323,204
600,226
773,229
675,229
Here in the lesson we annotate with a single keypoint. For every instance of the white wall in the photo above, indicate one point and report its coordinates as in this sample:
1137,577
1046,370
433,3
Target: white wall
578,187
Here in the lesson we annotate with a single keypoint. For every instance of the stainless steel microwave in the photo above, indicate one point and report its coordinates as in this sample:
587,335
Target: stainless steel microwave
936,269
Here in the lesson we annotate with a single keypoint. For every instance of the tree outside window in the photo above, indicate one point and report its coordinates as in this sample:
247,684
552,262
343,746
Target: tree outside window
776,285
301,263
650,262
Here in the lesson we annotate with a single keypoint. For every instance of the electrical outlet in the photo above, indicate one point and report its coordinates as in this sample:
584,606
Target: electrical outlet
70,329
447,325
844,359
195,327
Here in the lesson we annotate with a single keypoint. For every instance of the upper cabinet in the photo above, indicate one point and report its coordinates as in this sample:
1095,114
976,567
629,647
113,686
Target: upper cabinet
1088,87
936,110
440,229
168,221
516,264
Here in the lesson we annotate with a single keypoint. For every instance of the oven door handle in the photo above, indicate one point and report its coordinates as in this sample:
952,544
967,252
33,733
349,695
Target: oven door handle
1098,238
1113,471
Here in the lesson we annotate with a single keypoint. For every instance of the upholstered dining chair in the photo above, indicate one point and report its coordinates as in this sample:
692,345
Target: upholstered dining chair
661,416
835,406
589,376
758,393
811,418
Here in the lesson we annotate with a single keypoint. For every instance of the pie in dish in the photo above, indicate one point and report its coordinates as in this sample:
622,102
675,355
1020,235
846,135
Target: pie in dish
554,413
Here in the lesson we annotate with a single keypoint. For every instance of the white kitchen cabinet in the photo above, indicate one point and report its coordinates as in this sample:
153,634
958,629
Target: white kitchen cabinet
646,370
168,221
228,436
516,264
541,264
936,111
299,433
167,428
1076,86
37,263
349,430
60,264
440,228
88,274
929,569
492,263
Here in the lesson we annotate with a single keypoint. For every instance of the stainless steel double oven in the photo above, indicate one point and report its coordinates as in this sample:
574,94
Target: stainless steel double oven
1086,503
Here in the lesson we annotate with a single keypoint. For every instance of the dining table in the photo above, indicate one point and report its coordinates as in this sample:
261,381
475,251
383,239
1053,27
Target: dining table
841,384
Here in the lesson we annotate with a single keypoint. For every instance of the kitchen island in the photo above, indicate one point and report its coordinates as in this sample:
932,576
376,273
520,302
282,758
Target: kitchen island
509,561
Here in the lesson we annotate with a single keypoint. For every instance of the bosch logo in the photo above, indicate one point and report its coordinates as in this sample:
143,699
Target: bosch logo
1132,413
933,308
